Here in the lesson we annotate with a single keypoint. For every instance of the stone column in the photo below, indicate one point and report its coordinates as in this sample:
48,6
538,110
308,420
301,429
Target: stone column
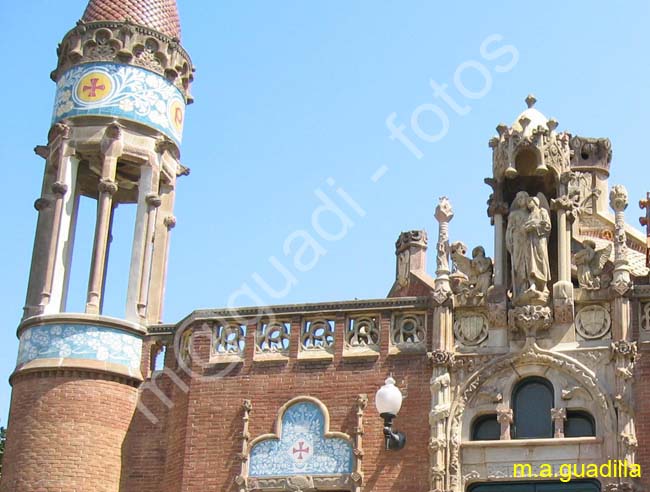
165,221
497,210
357,474
563,288
62,198
143,241
241,480
438,418
111,148
505,418
624,356
621,283
618,201
558,415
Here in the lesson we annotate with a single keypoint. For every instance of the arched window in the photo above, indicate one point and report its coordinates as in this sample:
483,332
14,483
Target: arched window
579,424
532,400
158,357
486,428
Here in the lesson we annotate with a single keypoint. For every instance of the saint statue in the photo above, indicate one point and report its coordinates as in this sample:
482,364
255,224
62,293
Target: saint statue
529,226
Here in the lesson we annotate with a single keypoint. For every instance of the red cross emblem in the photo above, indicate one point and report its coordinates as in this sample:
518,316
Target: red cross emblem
300,450
93,87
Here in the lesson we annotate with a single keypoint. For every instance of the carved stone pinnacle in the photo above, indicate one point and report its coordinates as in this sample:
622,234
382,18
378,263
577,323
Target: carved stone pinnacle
530,100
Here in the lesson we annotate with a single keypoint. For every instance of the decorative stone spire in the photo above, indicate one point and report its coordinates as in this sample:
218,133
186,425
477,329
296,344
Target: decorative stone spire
531,132
444,214
160,15
530,100
618,200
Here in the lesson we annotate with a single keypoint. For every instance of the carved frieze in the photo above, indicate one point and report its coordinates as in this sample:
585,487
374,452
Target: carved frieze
125,42
530,319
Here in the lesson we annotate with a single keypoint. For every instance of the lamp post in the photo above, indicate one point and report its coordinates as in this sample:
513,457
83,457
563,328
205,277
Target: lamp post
388,401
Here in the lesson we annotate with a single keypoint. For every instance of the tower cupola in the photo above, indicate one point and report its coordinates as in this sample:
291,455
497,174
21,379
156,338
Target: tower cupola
122,85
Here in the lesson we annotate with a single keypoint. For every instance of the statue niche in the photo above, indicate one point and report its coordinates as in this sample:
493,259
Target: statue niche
529,227
471,278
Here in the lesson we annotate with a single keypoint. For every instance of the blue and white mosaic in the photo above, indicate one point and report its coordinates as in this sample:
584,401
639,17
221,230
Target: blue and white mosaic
123,91
302,447
76,341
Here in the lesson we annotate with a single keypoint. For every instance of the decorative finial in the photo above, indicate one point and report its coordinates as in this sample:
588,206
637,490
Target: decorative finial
531,100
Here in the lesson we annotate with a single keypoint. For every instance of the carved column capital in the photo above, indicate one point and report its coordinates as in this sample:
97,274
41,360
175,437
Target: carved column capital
625,349
42,203
618,199
496,207
59,188
504,415
444,213
107,186
170,222
153,200
442,358
247,405
59,131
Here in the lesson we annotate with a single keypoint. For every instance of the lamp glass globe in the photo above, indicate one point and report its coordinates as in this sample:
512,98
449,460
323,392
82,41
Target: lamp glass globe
388,398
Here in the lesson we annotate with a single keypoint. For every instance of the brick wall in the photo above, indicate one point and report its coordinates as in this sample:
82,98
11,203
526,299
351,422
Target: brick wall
203,426
66,433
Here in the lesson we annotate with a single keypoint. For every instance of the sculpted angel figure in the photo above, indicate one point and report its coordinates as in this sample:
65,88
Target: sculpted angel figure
482,267
590,263
473,277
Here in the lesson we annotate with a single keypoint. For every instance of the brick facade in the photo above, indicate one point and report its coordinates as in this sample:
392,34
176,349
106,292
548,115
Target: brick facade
67,432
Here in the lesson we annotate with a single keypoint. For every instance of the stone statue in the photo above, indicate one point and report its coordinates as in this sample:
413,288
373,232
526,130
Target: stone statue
529,226
538,228
471,278
590,263
482,266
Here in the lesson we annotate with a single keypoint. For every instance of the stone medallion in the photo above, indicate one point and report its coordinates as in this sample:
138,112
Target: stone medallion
593,322
471,329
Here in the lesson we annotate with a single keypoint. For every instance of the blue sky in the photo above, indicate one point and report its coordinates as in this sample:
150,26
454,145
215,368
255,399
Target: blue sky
292,95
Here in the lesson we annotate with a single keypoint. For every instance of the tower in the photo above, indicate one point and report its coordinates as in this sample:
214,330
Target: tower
122,85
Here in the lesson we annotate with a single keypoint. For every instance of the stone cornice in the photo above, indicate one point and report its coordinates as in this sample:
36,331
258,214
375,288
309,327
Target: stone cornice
82,319
79,367
310,308
128,43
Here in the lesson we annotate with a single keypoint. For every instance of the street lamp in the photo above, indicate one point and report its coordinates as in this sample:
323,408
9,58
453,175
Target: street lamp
388,401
